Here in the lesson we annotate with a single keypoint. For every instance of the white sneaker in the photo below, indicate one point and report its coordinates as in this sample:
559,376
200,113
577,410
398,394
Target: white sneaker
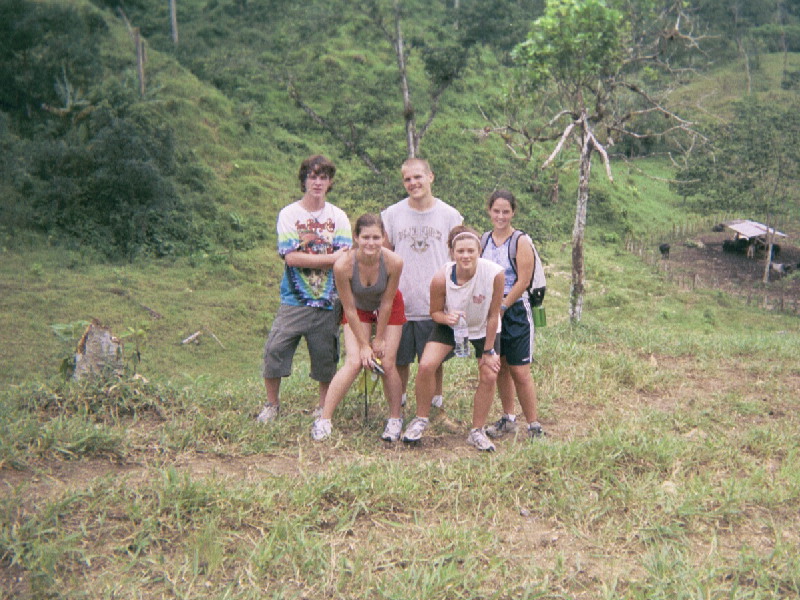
414,430
321,429
478,439
437,401
392,431
268,413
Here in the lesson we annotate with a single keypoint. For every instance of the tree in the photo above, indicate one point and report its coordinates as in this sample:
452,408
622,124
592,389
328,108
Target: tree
583,62
427,57
444,61
173,20
115,192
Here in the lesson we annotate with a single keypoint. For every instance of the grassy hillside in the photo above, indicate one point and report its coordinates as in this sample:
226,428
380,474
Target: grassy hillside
709,96
222,92
670,465
669,468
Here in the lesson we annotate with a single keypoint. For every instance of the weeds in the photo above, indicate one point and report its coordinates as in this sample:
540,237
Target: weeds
669,469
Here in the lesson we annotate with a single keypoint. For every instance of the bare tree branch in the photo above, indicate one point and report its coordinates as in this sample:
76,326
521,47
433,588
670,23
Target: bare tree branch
559,146
601,150
334,131
433,112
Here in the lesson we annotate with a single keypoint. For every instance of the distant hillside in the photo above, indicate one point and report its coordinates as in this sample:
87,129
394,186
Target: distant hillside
204,160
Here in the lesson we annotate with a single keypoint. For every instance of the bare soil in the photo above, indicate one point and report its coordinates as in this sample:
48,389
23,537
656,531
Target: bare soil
699,261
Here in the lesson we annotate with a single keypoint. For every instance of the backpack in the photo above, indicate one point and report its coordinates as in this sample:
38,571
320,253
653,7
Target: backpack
537,286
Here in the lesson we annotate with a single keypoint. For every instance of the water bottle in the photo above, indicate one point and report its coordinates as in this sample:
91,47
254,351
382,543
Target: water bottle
461,333
539,316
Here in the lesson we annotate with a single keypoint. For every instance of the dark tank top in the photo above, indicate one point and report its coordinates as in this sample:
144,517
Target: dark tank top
369,298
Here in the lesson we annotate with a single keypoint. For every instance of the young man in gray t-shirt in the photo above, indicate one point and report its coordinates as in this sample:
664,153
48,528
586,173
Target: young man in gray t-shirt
417,228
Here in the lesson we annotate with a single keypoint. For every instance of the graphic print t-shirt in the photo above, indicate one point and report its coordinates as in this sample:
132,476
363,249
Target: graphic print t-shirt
420,238
322,232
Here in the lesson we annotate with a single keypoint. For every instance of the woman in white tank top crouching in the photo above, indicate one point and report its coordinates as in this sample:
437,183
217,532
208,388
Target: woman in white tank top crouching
469,287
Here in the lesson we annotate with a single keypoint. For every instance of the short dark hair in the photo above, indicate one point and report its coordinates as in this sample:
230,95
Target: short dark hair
505,195
313,165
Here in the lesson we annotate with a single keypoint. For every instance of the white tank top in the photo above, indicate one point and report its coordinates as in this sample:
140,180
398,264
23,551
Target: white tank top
473,297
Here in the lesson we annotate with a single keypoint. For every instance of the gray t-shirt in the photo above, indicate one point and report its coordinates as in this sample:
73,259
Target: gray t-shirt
420,238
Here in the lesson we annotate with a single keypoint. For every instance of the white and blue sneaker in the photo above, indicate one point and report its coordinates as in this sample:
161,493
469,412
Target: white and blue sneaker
415,429
268,413
392,431
321,429
478,439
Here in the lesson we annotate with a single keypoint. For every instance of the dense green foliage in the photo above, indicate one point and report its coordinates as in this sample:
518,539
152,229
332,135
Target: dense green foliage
87,161
201,162
754,161
569,29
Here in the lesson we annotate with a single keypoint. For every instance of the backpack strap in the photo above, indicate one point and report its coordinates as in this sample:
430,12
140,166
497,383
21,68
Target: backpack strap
512,248
537,278
485,241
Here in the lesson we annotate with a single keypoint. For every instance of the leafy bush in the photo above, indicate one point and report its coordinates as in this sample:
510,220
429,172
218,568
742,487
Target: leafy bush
80,160
112,192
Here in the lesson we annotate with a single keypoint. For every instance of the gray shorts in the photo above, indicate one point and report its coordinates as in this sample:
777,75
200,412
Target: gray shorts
319,326
415,335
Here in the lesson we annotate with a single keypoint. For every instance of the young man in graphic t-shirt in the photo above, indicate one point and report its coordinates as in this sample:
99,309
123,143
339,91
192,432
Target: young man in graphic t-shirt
312,234
417,228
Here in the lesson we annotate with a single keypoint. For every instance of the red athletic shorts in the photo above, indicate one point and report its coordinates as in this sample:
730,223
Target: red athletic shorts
398,316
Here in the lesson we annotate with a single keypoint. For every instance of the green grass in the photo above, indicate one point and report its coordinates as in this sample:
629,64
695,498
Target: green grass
710,96
670,468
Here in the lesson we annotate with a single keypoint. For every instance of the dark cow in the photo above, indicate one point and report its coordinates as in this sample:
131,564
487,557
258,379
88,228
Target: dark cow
664,249
738,245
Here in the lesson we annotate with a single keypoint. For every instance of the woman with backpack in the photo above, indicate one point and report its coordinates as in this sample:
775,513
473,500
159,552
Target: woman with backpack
517,334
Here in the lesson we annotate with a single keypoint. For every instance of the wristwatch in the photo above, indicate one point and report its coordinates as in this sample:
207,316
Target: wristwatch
490,352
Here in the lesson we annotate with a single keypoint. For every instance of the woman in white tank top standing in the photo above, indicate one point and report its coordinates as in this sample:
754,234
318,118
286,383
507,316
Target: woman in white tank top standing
517,344
471,287
367,277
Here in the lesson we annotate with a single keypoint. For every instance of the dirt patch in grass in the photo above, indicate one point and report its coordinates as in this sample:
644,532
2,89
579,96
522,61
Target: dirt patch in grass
699,261
446,441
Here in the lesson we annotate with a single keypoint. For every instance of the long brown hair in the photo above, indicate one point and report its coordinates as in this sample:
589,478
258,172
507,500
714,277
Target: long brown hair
368,220
458,230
